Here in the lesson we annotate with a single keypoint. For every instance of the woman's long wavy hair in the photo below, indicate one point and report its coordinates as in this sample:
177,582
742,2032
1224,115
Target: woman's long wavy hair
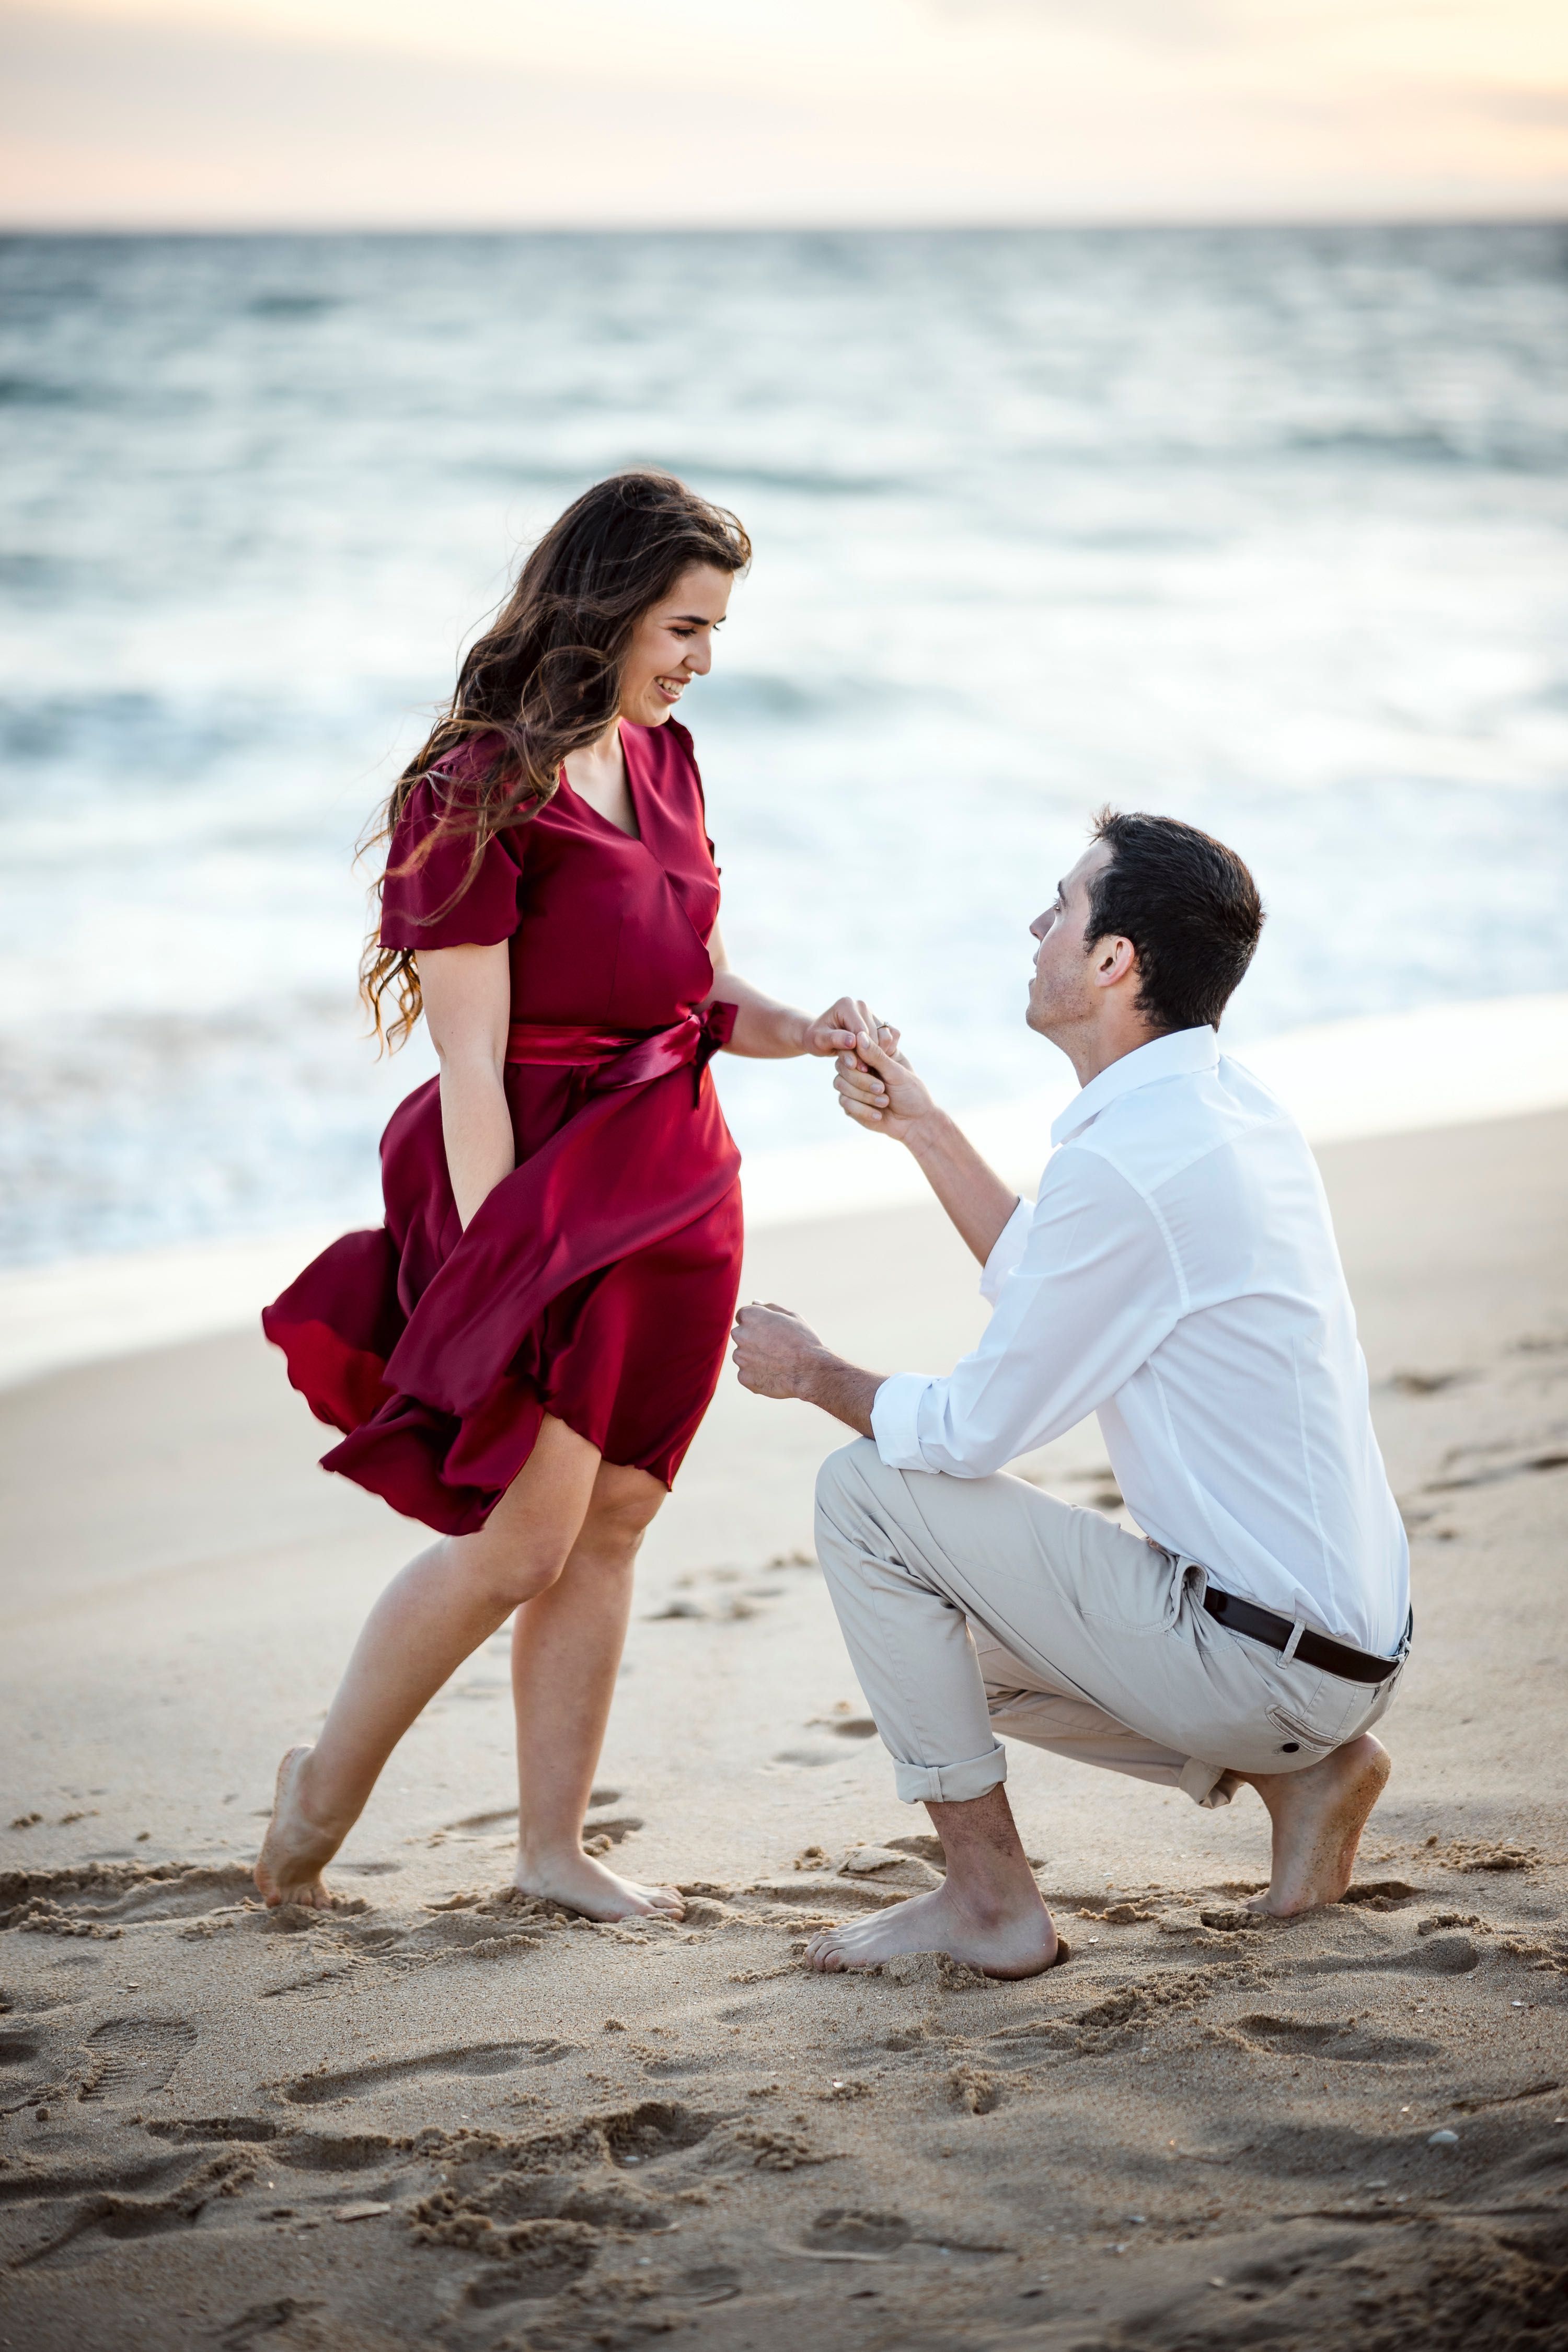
543,681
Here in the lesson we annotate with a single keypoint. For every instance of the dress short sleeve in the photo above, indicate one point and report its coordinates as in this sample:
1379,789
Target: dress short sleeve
427,904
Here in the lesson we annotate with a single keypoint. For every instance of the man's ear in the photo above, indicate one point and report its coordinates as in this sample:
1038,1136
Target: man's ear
1114,960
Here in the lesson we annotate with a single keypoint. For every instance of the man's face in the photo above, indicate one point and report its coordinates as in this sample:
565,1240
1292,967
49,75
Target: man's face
1062,993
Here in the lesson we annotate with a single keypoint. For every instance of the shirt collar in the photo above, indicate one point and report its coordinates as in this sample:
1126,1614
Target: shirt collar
1179,1054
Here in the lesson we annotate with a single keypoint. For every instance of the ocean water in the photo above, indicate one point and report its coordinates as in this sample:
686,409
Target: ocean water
1267,529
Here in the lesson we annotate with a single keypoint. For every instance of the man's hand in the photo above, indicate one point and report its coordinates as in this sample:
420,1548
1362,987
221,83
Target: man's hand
777,1355
839,1029
877,1089
773,1351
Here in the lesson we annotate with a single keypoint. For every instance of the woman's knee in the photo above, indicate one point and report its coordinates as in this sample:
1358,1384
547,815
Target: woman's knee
623,1506
507,1574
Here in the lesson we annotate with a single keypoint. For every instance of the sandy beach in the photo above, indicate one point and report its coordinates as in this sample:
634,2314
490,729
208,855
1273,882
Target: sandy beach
440,2116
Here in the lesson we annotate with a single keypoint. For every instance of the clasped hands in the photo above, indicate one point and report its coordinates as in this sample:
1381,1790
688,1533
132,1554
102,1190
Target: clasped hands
874,1085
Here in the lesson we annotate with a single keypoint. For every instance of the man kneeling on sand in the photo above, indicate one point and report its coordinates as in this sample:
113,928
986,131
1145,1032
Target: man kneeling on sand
1178,1276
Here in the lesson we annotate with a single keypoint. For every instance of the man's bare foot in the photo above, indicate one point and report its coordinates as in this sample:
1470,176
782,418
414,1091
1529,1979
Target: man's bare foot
294,1851
1318,1816
1018,1941
575,1880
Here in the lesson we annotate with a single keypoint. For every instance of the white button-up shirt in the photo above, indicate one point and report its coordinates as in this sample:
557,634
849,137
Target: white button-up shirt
1178,1276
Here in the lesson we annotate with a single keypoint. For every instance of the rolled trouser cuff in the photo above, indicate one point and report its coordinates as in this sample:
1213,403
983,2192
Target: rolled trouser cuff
950,1784
1206,1784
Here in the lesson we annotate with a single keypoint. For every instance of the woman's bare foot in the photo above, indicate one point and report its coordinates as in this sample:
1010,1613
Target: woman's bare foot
575,1880
1318,1816
294,1851
1016,1941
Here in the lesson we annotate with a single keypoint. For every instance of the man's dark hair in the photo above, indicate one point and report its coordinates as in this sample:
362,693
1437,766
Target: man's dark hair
1188,905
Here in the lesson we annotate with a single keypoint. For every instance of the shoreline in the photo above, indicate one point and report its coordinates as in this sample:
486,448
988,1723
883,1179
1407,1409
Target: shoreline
1377,1074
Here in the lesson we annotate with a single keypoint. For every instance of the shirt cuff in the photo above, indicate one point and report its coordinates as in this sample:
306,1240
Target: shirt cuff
1006,1251
895,1420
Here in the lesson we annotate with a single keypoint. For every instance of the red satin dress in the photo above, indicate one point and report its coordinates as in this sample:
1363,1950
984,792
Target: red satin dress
597,1282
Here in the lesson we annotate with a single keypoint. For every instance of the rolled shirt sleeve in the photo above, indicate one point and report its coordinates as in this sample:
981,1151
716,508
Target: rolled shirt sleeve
1087,1297
895,1419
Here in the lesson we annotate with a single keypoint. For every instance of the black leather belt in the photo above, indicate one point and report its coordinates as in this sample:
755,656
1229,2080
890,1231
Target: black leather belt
1312,1649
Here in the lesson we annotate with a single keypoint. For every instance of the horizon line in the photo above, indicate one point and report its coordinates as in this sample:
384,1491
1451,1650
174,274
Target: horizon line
1010,225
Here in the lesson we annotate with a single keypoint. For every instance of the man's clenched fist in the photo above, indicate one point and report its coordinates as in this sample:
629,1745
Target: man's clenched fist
774,1351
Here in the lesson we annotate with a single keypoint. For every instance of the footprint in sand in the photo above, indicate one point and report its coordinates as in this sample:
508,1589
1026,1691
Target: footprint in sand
836,1894
706,2283
132,2056
91,1894
655,2127
481,1688
520,2203
1342,2038
354,2081
505,1816
598,1836
27,2071
974,2091
1444,1955
480,2059
537,2259
308,2151
191,2130
1467,1466
848,2230
302,2151
263,2319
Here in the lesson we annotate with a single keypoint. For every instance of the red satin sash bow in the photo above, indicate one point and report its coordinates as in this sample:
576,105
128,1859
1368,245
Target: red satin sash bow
622,1057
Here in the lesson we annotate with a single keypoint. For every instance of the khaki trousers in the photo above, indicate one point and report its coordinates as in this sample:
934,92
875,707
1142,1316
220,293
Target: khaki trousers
974,1606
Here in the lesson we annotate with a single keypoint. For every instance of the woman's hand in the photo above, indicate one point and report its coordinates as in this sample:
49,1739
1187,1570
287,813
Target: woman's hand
841,1027
766,1030
876,1088
467,1006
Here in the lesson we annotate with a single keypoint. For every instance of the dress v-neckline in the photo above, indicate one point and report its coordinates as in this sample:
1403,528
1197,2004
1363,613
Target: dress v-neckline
640,835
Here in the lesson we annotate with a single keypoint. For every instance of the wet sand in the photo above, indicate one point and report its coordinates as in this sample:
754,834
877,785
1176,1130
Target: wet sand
437,2116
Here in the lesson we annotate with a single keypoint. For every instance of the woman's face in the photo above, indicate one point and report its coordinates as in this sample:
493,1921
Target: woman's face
672,644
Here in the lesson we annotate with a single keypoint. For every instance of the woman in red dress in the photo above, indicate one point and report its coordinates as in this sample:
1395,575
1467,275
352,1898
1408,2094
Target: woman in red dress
522,1355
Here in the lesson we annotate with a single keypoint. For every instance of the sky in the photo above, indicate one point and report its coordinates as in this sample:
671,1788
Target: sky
409,113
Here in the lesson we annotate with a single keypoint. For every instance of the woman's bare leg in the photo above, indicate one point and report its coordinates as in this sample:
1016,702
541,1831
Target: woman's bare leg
429,1619
566,1649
